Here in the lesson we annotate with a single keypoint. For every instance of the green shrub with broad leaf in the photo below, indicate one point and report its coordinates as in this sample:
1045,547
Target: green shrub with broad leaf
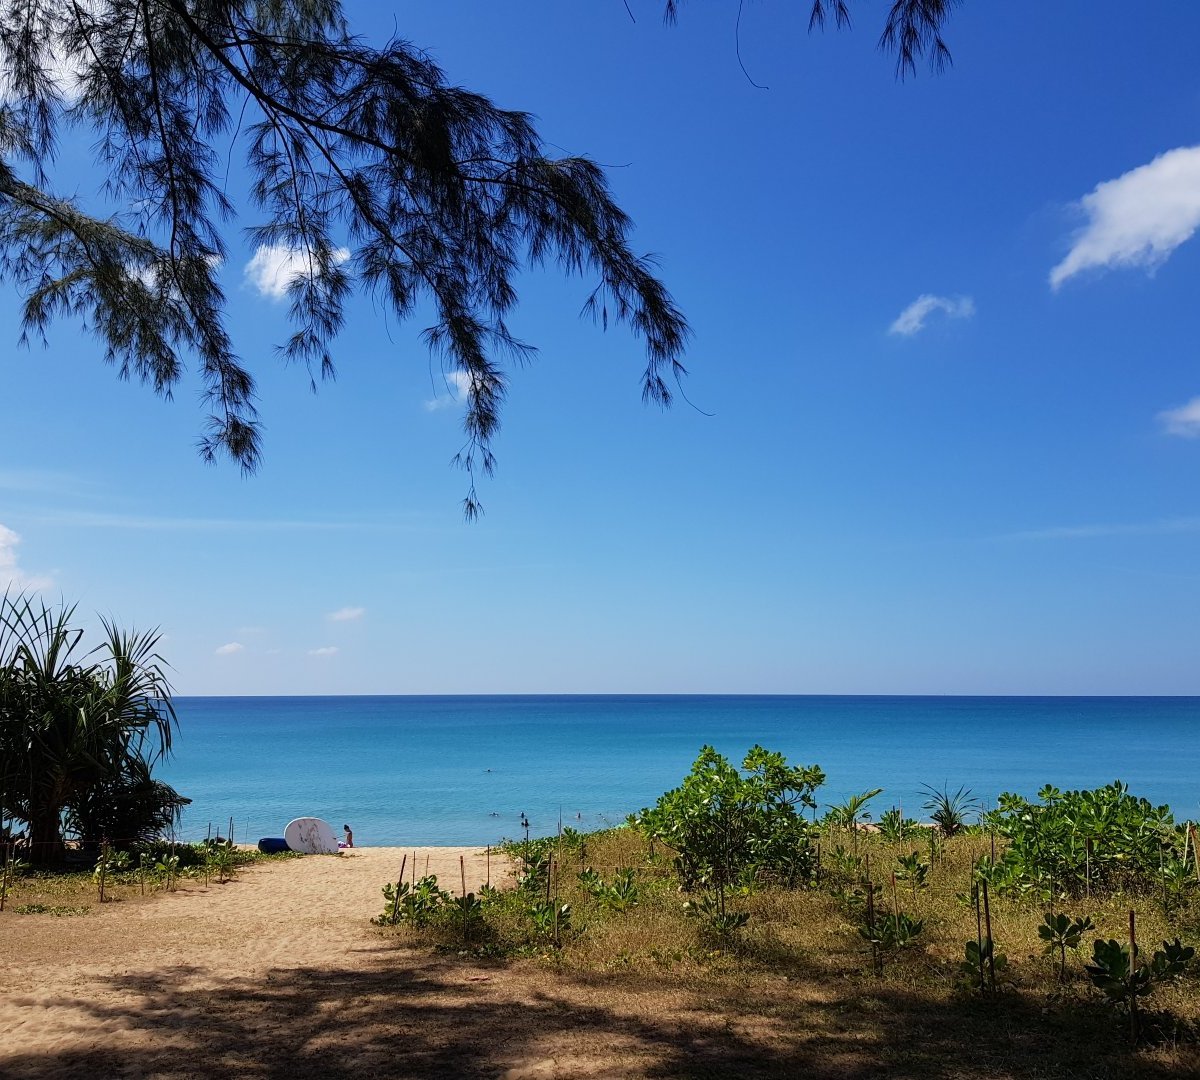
1070,843
1060,933
893,931
1116,972
724,823
415,905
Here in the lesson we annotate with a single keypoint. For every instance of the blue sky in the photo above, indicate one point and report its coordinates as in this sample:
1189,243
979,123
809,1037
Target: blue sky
945,329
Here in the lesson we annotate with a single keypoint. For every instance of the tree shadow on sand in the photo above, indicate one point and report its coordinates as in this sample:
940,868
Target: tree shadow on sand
416,1015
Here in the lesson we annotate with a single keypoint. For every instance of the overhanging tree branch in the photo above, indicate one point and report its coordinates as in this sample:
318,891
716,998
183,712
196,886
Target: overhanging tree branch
365,164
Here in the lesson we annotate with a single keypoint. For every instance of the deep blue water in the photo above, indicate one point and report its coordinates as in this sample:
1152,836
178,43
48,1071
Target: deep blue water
434,770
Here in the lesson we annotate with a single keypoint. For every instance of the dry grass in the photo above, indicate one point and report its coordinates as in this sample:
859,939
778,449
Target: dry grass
801,964
281,974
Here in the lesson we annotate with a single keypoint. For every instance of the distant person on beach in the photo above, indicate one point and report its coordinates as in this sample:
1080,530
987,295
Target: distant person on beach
349,836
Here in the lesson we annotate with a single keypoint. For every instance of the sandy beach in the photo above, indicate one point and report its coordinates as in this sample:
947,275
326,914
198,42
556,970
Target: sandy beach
281,974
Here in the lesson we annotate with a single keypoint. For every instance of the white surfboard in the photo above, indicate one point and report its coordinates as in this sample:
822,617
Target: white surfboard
310,835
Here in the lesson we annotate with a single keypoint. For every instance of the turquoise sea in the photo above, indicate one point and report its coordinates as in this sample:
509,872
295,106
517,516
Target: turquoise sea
462,770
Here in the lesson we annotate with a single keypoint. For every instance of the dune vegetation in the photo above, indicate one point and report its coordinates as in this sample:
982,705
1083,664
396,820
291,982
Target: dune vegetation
1066,918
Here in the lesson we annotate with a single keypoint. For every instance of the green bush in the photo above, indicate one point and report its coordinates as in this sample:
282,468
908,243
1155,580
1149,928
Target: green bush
724,824
1070,842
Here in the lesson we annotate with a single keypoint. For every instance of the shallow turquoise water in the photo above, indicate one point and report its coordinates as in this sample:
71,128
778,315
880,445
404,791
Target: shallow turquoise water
461,770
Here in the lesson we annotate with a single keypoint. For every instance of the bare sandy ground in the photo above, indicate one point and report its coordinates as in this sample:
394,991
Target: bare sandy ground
281,974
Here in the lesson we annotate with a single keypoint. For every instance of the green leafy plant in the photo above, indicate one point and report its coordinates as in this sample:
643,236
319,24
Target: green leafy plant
1076,843
114,863
949,812
892,826
466,913
415,905
718,920
80,730
166,871
548,918
1116,972
619,896
981,961
219,859
60,910
914,870
842,865
721,822
1176,880
893,931
855,897
1061,933
847,815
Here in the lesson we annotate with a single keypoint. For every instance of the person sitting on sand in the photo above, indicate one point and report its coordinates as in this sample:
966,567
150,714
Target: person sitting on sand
349,836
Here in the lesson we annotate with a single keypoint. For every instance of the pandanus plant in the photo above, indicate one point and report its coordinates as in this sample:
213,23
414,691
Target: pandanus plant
80,731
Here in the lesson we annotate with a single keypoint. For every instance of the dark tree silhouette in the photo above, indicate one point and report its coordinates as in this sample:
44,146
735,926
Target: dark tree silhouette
369,171
912,31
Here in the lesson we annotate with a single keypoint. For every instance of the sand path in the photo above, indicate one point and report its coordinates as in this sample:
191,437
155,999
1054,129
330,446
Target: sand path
280,974
129,989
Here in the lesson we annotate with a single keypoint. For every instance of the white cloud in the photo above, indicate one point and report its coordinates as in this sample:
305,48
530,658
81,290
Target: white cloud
1139,218
346,614
912,319
11,574
275,266
325,650
457,385
1184,421
230,649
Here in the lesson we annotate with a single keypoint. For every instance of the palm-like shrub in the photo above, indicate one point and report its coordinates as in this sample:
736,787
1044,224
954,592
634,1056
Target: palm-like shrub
80,731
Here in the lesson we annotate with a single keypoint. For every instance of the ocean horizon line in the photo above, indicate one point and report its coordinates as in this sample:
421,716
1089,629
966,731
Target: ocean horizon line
649,695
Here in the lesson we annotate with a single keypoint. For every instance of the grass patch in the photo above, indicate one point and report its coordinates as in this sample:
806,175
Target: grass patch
801,956
127,877
50,909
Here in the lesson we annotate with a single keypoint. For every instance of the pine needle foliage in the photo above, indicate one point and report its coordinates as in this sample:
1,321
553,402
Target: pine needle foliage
368,170
912,31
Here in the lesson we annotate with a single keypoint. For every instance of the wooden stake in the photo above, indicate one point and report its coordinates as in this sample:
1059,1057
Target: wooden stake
1195,850
551,874
1087,867
489,866
987,921
979,939
207,853
876,966
399,885
462,873
1133,953
103,867
8,858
